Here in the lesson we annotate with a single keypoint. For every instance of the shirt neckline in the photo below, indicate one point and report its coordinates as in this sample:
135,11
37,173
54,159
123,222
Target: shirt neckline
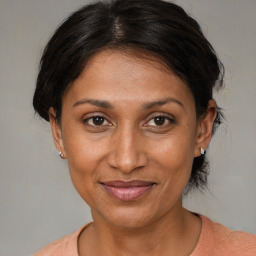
205,238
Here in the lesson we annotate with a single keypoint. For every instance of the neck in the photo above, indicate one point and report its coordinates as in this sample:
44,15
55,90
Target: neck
176,233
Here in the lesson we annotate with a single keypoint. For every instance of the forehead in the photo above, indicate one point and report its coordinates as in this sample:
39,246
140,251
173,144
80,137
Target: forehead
128,76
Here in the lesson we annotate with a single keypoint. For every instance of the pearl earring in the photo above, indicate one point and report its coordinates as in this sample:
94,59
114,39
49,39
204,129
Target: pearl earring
202,151
61,155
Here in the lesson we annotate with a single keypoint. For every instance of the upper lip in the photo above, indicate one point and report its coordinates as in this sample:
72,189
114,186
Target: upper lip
128,184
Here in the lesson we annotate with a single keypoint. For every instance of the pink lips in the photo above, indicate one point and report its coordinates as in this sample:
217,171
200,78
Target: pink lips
127,191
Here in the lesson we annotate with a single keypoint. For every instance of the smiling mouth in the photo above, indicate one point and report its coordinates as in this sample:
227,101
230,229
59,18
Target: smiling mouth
127,191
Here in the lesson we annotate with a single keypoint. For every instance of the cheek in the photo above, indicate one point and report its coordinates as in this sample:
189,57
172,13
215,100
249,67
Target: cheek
84,157
83,151
82,166
174,151
176,165
174,155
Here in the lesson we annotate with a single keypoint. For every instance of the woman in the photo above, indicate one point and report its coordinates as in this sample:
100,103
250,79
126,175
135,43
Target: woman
127,88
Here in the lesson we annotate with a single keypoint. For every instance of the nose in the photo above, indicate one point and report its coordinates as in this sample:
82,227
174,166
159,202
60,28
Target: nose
128,152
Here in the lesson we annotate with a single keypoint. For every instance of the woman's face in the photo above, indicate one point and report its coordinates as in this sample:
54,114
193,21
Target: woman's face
130,133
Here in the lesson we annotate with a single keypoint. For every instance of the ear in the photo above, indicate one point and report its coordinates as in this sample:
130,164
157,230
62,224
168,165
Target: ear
56,132
205,127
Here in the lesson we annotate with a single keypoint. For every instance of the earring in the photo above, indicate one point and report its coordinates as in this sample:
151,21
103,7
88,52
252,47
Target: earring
202,151
61,155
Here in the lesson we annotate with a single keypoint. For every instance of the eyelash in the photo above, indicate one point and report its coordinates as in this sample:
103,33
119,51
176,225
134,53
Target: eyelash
166,118
86,121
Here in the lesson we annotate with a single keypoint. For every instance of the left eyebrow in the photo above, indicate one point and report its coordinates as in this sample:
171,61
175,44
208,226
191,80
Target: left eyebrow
161,102
97,103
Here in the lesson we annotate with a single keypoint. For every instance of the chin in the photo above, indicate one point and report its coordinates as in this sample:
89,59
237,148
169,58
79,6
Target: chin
130,217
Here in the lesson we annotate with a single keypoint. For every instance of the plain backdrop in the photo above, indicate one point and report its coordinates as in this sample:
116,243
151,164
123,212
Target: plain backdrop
37,200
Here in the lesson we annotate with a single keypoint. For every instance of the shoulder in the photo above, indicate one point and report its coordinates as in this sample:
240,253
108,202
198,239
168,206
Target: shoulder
220,240
238,242
66,246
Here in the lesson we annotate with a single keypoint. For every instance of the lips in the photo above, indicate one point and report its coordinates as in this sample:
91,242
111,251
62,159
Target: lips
127,191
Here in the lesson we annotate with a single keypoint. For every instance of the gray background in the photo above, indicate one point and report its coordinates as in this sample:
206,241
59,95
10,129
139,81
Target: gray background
37,201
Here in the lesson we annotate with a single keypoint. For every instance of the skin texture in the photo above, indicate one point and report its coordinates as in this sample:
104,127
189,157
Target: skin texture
129,144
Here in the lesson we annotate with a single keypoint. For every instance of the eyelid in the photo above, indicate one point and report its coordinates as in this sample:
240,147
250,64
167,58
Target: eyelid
163,114
169,117
92,115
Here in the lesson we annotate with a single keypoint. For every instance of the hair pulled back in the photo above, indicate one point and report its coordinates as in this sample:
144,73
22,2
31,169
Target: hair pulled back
159,28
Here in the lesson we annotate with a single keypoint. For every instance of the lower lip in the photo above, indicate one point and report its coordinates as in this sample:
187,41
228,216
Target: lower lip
127,194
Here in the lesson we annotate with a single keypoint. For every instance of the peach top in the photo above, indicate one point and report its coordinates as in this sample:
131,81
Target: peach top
215,240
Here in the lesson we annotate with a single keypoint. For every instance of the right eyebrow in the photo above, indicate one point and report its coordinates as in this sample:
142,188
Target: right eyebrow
162,102
97,103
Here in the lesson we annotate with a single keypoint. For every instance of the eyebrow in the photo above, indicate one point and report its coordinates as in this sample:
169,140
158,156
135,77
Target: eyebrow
97,103
161,103
148,105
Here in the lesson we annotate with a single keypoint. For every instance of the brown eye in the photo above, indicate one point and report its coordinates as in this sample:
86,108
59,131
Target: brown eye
96,121
159,120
